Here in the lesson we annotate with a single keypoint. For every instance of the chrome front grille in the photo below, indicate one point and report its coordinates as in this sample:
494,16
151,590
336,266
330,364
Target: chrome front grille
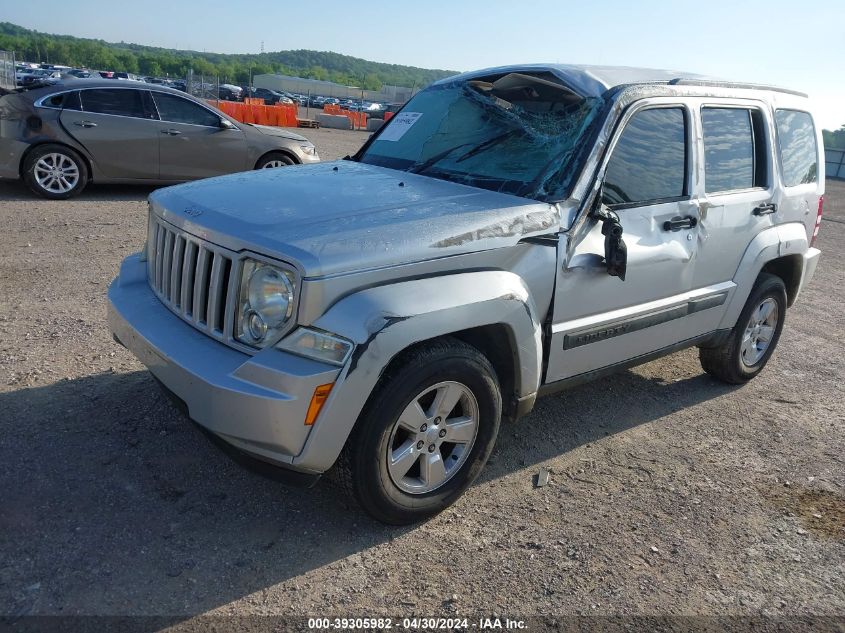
192,277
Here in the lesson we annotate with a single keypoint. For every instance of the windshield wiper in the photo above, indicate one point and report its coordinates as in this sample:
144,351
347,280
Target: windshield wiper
477,149
419,168
482,147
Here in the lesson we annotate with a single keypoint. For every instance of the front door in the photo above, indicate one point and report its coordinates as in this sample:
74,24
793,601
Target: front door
192,143
600,321
115,126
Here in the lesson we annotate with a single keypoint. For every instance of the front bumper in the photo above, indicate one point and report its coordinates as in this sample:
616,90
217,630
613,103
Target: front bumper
255,403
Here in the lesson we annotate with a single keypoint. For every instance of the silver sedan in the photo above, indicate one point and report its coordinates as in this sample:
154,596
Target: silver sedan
61,137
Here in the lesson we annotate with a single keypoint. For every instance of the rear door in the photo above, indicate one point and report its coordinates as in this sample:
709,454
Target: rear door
192,143
117,129
600,321
737,202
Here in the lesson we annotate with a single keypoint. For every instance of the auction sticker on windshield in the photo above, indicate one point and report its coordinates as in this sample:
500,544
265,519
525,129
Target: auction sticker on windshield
399,125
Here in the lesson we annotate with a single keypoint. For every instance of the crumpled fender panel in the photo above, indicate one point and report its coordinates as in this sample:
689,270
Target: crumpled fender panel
385,320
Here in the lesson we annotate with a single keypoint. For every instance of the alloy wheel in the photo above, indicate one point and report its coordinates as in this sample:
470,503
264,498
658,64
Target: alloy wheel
759,332
432,438
56,173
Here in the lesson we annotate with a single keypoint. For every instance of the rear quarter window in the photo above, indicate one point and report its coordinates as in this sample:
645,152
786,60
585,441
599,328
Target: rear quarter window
797,147
63,100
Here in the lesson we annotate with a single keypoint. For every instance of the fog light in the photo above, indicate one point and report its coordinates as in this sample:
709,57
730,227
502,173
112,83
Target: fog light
317,345
256,325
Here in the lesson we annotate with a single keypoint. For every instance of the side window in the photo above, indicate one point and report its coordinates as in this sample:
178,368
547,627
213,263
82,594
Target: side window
649,162
797,145
730,155
178,110
116,101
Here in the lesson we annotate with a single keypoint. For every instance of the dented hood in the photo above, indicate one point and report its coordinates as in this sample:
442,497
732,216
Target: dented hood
345,216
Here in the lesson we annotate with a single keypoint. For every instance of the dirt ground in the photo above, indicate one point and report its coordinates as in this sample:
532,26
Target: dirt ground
671,493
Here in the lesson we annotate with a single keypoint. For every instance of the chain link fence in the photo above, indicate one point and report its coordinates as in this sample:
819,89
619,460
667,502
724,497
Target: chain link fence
202,86
834,160
7,70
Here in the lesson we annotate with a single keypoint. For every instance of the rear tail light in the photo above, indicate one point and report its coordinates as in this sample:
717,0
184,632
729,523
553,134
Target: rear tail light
818,221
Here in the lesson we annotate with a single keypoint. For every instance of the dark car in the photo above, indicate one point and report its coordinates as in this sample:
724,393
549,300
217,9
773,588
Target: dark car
270,96
229,93
380,113
61,137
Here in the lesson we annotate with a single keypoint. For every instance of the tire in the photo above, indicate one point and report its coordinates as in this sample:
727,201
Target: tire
448,367
273,160
55,172
745,353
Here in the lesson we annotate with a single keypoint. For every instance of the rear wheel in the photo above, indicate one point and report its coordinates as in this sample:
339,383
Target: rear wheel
754,337
276,159
425,435
55,171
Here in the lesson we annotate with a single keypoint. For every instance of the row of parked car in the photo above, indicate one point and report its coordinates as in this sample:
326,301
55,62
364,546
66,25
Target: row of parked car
372,108
29,75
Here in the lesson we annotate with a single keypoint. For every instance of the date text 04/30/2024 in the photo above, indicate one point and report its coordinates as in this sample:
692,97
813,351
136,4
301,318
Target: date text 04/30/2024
445,624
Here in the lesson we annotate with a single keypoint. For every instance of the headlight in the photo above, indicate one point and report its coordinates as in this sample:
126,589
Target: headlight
265,302
317,345
309,149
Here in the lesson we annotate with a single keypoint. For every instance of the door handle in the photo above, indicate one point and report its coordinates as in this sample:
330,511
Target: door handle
677,223
765,209
171,132
85,123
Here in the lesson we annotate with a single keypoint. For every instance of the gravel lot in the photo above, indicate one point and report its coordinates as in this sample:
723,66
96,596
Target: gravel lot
670,494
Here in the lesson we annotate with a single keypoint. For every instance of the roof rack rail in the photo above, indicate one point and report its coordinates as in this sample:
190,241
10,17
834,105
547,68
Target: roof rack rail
681,81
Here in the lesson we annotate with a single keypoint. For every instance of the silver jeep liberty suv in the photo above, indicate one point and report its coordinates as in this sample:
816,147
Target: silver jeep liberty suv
509,233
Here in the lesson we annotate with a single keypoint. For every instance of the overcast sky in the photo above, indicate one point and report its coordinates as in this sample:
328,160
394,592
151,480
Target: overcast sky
797,44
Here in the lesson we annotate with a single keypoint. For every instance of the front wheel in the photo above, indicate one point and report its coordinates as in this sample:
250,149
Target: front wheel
754,337
276,159
425,435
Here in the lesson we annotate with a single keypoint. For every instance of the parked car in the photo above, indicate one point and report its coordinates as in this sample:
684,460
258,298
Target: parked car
36,77
388,111
58,139
511,233
229,92
270,96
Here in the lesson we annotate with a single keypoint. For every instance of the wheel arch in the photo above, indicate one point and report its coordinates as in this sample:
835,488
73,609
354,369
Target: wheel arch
33,147
495,341
778,250
284,152
789,268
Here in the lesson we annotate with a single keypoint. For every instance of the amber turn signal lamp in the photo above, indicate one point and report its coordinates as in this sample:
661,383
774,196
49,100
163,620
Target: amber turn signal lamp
321,394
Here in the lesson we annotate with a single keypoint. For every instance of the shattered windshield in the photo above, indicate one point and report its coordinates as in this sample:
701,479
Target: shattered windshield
515,133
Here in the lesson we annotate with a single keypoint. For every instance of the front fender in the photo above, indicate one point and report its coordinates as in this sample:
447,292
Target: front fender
385,320
774,242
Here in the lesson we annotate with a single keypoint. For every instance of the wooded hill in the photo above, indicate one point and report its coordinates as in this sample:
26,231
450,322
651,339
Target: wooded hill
33,46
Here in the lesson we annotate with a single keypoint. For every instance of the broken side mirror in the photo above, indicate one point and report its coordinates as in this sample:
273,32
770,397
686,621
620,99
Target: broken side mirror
615,251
